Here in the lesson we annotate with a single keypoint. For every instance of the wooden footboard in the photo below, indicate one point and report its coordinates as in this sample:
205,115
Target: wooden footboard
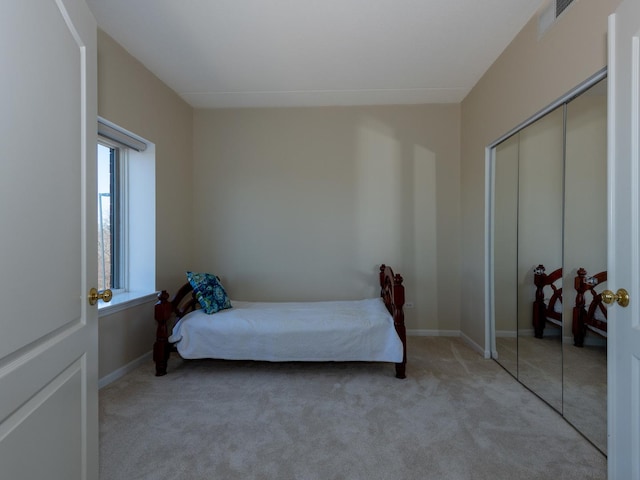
584,315
392,292
167,311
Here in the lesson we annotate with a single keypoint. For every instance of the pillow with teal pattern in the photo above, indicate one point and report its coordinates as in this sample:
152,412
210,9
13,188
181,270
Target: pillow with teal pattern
209,292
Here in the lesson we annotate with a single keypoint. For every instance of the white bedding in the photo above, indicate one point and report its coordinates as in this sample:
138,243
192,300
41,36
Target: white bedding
360,330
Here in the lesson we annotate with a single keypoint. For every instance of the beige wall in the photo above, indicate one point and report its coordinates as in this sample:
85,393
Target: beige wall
530,74
133,98
303,204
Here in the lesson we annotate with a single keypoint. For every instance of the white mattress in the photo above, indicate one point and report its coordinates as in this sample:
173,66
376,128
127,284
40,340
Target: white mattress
597,330
360,330
599,315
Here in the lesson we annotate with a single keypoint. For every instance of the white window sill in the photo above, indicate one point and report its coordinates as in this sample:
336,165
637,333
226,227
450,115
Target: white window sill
125,300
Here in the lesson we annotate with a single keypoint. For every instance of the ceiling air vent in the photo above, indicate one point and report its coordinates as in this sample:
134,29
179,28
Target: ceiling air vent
549,13
561,5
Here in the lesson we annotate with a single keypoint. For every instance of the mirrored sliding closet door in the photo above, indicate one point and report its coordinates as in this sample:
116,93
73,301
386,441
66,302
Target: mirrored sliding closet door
549,233
585,259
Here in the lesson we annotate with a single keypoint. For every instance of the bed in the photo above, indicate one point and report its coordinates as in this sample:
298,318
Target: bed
589,312
368,330
547,306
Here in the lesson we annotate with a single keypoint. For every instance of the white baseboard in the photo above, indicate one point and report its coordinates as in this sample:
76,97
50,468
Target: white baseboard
485,353
432,333
122,371
450,333
589,341
506,334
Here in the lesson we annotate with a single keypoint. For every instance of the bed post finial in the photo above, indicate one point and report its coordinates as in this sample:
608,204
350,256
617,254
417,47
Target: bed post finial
392,292
398,292
578,327
539,280
398,320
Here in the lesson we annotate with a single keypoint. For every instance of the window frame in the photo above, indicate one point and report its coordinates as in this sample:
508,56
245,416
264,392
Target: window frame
118,206
137,211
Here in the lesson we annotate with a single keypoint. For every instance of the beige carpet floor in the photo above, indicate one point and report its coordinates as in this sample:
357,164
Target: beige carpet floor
456,416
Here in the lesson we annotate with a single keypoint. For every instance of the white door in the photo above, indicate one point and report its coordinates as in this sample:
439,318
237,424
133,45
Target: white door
624,241
48,332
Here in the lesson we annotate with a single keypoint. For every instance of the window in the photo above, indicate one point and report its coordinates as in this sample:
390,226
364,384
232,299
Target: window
126,216
110,227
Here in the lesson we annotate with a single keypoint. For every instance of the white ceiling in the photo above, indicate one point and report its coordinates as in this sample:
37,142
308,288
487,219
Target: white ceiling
265,53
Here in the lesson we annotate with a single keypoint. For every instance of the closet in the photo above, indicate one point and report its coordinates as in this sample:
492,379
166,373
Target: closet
548,240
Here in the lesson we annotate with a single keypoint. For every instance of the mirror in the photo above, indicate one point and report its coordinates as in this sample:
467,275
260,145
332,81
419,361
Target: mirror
549,233
540,213
585,247
505,265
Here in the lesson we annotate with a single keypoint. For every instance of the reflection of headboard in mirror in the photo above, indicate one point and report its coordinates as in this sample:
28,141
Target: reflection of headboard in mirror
547,307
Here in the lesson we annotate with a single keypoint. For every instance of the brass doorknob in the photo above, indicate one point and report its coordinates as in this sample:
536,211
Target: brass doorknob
94,296
621,296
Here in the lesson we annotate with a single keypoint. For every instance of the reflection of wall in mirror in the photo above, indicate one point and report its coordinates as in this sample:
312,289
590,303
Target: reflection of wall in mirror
505,242
586,191
540,207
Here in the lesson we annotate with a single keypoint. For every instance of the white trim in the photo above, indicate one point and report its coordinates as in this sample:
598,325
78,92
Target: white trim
485,352
489,307
433,333
450,333
589,341
118,134
123,207
122,371
124,301
507,334
614,430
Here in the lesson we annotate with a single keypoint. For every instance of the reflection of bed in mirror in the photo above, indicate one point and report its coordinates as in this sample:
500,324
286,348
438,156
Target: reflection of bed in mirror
547,306
588,316
584,373
585,378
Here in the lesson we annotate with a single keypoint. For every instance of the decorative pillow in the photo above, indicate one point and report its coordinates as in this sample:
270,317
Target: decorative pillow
209,292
